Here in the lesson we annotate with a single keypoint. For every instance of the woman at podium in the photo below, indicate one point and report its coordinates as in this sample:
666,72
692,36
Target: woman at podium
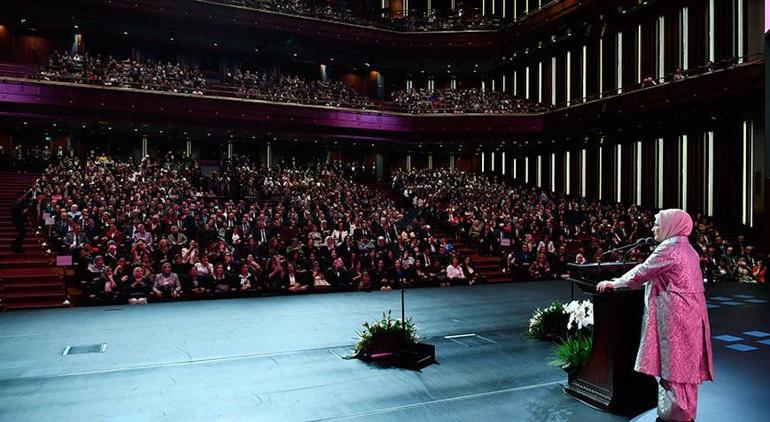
675,344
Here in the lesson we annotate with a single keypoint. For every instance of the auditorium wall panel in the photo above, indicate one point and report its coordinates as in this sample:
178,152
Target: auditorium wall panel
559,172
630,41
545,83
533,81
574,172
628,173
649,172
648,51
561,77
670,171
396,7
609,63
695,183
592,171
464,161
419,161
672,50
724,15
727,161
575,82
6,141
697,34
592,68
545,171
335,154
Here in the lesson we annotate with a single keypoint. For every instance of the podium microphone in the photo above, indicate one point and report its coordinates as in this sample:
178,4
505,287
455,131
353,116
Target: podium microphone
627,248
638,243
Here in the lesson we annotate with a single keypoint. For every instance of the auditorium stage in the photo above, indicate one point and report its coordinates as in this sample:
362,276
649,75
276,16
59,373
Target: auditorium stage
278,358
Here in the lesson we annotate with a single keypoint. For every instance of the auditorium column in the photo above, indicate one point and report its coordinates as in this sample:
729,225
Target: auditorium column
144,146
229,150
409,162
268,155
188,148
430,161
451,161
379,164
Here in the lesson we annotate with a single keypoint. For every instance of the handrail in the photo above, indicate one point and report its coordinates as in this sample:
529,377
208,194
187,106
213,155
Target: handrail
218,90
255,94
708,68
400,21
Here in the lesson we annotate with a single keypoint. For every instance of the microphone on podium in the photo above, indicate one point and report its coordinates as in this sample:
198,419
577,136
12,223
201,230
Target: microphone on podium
638,243
627,248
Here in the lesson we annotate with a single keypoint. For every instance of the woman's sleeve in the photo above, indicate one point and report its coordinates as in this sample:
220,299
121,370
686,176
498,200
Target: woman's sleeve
655,264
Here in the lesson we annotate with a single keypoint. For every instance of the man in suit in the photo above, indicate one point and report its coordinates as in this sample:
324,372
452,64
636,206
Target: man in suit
74,240
262,234
19,217
425,258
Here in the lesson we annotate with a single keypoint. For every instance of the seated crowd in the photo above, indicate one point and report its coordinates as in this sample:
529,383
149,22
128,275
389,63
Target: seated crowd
124,73
421,101
256,85
24,158
251,84
537,234
412,22
160,229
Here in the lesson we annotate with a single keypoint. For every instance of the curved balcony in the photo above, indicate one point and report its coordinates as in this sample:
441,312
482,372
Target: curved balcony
43,99
227,18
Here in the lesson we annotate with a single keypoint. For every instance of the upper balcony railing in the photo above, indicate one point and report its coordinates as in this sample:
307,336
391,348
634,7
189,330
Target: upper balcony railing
394,20
254,85
673,77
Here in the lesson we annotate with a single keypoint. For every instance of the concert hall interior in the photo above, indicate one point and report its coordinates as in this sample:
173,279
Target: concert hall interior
433,210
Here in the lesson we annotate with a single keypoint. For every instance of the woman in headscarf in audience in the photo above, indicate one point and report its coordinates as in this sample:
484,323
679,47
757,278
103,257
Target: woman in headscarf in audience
675,344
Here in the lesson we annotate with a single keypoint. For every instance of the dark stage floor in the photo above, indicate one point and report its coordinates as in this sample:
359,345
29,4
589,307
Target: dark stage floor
278,359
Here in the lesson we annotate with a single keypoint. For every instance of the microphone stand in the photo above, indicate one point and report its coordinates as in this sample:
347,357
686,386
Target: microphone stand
625,255
627,248
403,312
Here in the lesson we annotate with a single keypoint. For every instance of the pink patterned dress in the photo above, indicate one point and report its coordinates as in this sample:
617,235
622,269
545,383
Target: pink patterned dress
676,337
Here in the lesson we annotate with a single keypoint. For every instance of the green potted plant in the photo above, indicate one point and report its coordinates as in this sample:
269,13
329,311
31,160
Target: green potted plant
383,338
573,353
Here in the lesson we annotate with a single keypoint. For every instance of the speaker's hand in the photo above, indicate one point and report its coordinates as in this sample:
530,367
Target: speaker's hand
605,286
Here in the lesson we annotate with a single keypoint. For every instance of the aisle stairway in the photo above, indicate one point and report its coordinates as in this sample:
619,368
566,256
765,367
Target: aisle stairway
29,279
488,266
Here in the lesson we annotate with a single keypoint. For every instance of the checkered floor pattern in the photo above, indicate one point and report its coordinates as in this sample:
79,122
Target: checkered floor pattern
746,341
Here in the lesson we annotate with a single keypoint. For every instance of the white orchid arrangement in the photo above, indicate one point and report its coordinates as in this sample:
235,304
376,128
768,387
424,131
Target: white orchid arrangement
557,320
581,314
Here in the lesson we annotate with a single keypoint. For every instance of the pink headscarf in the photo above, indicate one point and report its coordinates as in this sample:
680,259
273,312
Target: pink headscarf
673,222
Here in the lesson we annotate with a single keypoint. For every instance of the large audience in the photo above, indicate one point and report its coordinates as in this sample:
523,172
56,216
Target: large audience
254,84
409,22
161,229
123,73
473,100
537,233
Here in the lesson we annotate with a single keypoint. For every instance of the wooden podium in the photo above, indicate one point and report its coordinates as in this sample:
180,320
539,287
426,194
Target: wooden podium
608,381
